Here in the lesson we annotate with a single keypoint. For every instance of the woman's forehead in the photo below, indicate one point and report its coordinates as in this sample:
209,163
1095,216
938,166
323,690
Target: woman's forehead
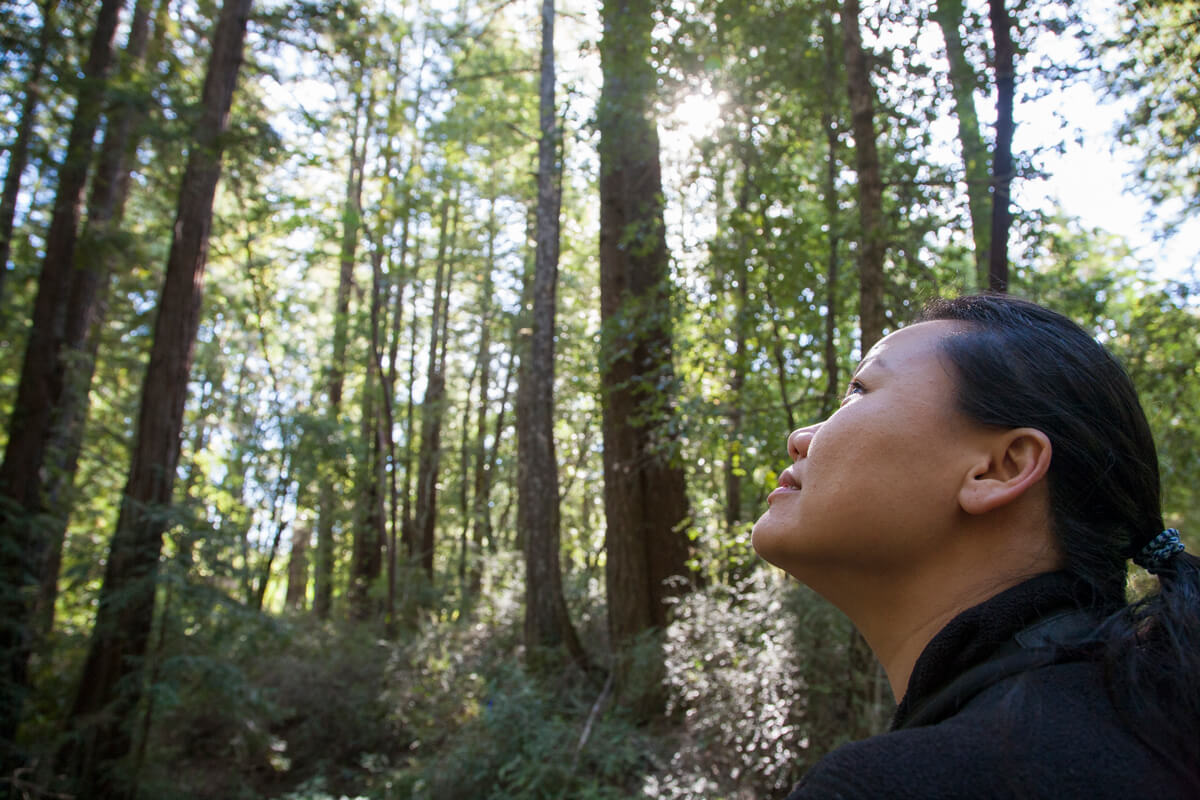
915,341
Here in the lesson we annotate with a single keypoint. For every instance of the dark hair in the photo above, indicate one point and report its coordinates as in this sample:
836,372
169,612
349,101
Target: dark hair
1021,365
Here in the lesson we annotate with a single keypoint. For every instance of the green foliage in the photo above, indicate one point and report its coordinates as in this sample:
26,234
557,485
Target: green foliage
247,706
1151,327
244,703
1158,343
1155,53
755,675
523,740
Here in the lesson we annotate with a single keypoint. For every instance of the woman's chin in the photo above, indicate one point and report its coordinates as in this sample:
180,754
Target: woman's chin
767,540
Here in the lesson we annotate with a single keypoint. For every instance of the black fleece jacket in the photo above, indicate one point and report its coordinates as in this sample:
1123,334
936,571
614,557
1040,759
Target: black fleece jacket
1049,731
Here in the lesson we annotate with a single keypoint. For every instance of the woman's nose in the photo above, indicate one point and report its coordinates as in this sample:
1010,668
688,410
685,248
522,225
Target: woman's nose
799,440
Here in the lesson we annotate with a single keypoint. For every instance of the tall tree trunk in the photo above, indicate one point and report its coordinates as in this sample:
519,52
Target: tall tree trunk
480,516
547,625
370,535
464,470
388,465
297,585
433,409
779,357
644,493
483,531
949,14
328,504
738,362
23,509
1002,161
87,305
862,688
18,153
111,686
829,398
833,386
396,518
870,181
366,554
408,525
279,499
408,534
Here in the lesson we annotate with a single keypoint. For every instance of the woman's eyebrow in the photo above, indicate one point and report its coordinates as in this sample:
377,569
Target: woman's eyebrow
875,361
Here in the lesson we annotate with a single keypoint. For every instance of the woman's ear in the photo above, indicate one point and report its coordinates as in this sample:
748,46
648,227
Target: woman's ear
1014,461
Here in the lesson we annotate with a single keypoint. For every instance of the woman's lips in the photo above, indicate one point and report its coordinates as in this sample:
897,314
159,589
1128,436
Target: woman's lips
787,484
777,493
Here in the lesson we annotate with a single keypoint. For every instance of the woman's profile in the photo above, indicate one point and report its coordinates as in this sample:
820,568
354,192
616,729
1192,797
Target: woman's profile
972,507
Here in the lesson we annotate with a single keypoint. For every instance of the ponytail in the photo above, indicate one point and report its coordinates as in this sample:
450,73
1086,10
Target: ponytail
1152,658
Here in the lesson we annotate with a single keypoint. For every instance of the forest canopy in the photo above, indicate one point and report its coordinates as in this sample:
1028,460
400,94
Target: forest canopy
388,389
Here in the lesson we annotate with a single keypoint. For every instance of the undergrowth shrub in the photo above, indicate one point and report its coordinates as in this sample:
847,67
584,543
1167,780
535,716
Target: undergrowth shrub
482,726
755,674
254,705
248,706
526,742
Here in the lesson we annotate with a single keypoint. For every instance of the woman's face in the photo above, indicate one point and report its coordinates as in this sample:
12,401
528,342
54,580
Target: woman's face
877,482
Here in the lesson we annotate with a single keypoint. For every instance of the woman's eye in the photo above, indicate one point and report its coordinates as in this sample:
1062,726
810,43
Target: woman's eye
854,388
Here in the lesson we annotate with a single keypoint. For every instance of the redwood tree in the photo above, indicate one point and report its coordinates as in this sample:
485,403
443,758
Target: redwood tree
862,690
1002,161
546,621
433,409
111,686
24,514
87,301
949,14
870,181
329,507
644,493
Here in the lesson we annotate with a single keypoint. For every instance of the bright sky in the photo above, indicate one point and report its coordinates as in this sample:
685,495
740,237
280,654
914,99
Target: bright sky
1091,179
1088,181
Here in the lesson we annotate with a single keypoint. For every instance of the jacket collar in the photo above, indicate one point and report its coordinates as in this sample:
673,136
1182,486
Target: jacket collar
981,632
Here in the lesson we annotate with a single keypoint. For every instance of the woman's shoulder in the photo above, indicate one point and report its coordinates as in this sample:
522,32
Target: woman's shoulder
1051,732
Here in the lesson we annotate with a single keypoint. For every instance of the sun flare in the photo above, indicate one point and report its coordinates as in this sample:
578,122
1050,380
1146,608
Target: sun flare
698,114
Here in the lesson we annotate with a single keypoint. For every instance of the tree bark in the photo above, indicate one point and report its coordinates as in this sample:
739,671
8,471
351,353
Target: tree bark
408,525
644,494
87,305
833,388
1002,160
464,485
111,686
870,181
547,626
392,289
433,409
948,14
23,508
863,683
283,486
396,518
328,505
738,362
370,535
297,585
780,358
484,531
480,513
